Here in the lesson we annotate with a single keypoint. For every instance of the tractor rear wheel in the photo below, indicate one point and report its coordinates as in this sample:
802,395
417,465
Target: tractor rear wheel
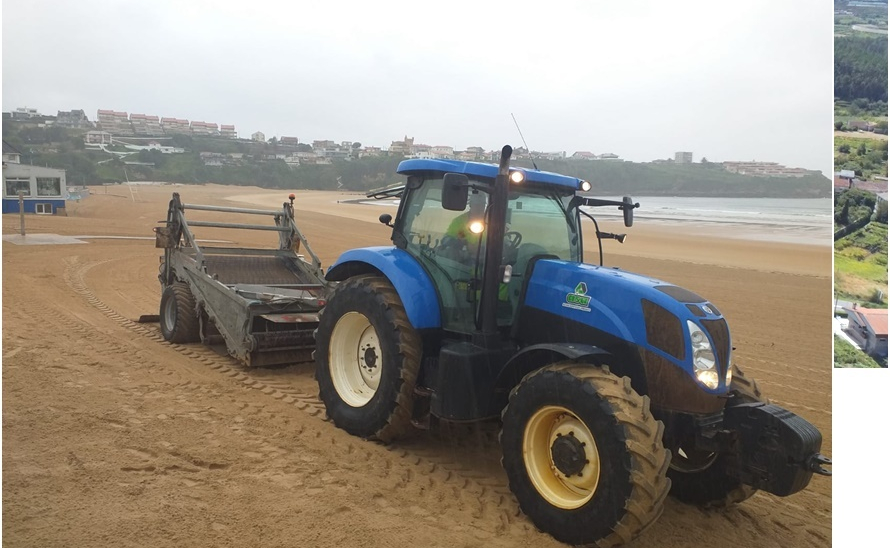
584,455
178,315
702,478
367,357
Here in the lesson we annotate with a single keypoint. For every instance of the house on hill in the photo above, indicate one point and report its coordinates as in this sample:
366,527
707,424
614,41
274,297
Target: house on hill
868,327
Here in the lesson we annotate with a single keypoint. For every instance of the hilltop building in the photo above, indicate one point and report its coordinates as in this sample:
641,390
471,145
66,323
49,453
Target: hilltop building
23,113
146,125
73,119
175,125
682,157
868,327
763,169
114,122
228,131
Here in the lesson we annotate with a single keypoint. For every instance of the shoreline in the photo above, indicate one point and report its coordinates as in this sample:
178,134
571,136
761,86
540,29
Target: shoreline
700,242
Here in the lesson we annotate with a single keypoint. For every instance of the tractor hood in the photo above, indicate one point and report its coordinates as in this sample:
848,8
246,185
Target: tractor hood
650,314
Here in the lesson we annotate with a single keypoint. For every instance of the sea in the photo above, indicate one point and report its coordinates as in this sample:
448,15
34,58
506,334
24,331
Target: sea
786,220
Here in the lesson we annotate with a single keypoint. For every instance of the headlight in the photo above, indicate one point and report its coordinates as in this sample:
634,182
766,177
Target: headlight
517,176
729,370
703,357
476,227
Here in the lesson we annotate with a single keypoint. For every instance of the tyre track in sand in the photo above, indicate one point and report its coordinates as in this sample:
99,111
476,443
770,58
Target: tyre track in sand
457,467
425,462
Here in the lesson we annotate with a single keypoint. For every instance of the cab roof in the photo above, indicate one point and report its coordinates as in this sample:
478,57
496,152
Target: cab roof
479,170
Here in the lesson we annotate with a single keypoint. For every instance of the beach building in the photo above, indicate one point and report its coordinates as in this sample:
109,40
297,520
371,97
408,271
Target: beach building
868,327
43,188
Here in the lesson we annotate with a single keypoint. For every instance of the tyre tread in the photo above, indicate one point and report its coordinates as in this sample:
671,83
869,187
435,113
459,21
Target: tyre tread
648,456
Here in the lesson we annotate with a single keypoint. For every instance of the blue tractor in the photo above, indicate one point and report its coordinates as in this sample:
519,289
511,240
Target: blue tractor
613,389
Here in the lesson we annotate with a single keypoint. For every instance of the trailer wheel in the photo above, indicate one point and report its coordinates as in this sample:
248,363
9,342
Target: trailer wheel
584,455
367,357
179,320
702,478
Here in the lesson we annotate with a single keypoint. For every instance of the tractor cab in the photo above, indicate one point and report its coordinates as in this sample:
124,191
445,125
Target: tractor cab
444,220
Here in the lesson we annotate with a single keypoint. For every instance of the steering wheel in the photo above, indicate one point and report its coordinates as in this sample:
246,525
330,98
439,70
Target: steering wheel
512,239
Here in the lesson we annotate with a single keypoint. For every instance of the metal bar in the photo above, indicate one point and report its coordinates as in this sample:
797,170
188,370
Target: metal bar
494,250
236,225
316,262
244,252
232,209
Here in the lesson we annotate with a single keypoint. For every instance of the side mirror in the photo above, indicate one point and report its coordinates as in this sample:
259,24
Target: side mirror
455,190
386,219
628,209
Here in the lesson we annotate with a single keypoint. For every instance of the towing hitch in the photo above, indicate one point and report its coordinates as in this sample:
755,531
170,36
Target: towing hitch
777,451
815,463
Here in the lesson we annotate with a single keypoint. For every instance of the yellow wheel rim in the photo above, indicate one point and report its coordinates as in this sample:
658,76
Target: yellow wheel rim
561,457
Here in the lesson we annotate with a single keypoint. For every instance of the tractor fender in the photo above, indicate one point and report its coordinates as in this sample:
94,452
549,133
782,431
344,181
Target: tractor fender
623,362
411,281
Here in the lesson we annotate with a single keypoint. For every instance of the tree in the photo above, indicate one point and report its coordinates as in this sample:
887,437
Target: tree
839,126
844,148
704,160
356,145
862,150
881,212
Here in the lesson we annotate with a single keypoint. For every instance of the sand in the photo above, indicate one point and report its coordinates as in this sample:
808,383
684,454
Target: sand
112,437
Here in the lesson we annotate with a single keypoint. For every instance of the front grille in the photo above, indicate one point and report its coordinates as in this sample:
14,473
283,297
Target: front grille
719,332
663,330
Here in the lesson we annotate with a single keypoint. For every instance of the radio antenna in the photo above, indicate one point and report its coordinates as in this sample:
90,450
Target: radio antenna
524,143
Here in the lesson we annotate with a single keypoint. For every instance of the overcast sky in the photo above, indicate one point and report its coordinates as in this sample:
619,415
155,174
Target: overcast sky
642,79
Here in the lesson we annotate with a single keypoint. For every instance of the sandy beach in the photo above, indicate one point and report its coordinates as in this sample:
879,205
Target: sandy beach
113,437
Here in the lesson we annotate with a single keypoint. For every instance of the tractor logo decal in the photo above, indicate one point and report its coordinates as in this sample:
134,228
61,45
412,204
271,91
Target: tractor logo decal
578,299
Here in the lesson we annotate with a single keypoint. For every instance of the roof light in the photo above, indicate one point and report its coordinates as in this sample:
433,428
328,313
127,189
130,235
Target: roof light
517,176
476,227
585,186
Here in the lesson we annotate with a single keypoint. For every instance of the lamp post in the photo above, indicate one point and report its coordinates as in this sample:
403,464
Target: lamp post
22,211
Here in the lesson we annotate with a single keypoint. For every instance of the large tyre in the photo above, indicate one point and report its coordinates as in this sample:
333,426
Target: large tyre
178,315
701,478
367,356
584,455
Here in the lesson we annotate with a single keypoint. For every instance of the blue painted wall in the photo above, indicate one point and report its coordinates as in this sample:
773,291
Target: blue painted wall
11,205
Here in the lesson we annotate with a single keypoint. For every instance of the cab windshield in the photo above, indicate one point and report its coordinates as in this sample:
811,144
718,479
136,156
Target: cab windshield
451,244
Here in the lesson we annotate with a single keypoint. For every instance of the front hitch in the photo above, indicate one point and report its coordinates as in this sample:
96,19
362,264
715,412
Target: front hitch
815,463
777,451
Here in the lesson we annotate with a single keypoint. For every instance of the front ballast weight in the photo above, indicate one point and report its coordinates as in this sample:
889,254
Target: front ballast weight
262,304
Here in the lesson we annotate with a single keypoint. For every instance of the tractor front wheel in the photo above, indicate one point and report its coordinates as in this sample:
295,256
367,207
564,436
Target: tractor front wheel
702,478
178,316
584,455
367,357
